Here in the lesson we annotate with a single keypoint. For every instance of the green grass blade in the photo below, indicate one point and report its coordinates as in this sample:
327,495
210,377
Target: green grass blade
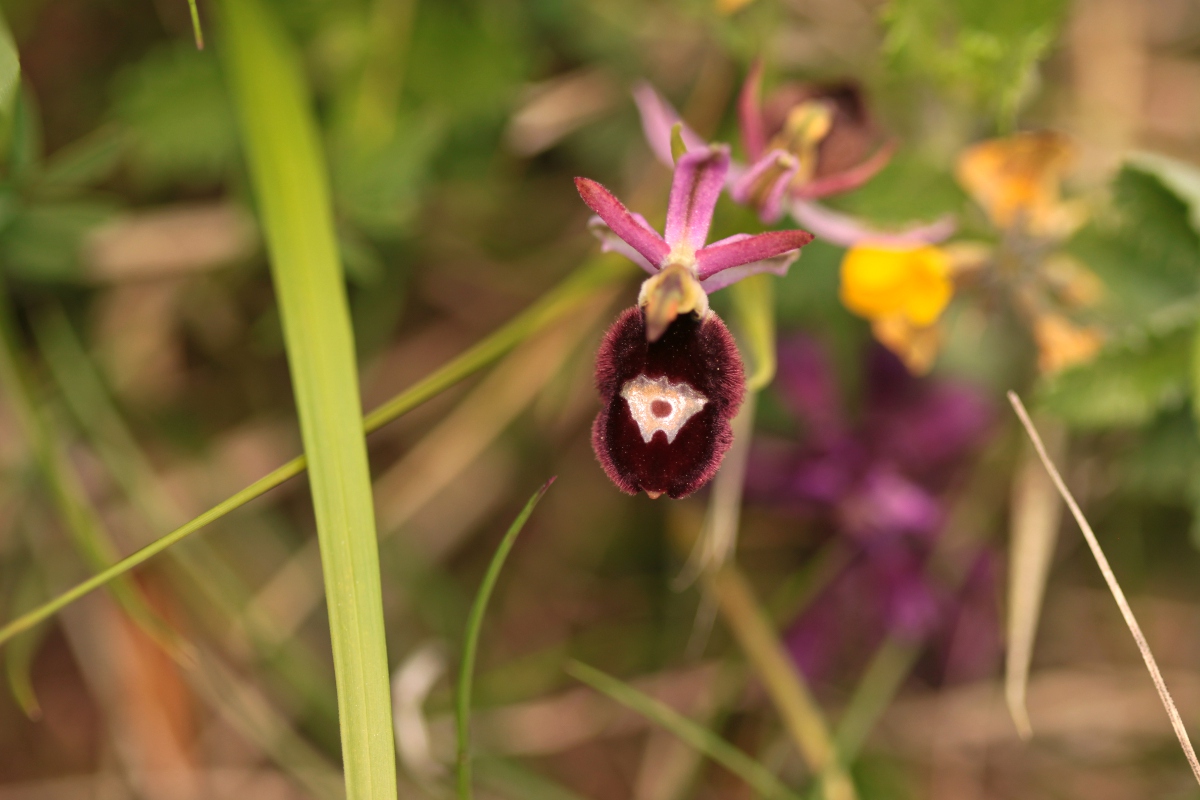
754,774
556,304
197,31
80,520
216,587
462,698
288,173
18,659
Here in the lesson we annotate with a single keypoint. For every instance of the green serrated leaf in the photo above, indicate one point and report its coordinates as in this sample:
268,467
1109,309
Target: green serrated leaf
1147,254
1127,384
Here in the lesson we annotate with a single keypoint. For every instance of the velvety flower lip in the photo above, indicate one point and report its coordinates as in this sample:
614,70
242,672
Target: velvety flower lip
698,356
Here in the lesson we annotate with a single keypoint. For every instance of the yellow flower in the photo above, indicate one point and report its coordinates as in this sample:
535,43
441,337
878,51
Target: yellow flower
1062,344
1017,180
911,282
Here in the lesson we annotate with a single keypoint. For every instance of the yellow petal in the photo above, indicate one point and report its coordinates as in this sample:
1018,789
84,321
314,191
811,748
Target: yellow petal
884,280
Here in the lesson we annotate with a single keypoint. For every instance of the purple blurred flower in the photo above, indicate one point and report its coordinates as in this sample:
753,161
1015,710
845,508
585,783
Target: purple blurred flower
877,480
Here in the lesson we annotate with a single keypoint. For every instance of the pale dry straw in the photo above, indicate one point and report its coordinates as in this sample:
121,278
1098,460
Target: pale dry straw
1114,587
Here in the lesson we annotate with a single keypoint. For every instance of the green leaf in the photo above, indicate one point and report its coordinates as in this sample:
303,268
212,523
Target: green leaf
83,162
18,659
10,69
754,774
289,176
1147,254
179,118
379,188
1181,178
977,51
1127,384
42,242
466,672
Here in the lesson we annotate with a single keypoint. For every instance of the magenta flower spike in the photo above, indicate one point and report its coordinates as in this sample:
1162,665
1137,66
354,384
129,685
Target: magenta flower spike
668,371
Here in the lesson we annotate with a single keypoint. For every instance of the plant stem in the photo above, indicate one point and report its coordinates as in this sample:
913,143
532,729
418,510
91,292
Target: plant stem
801,715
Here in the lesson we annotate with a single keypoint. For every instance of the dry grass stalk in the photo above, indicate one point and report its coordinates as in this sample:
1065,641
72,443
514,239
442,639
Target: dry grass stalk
1138,637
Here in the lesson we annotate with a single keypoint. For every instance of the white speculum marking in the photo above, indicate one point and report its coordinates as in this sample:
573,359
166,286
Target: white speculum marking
659,405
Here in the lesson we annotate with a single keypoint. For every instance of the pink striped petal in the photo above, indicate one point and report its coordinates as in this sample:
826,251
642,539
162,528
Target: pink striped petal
611,243
777,167
750,116
727,277
638,235
658,117
699,178
846,231
848,179
745,249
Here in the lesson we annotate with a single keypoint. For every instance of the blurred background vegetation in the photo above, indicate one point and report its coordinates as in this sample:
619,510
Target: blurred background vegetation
145,380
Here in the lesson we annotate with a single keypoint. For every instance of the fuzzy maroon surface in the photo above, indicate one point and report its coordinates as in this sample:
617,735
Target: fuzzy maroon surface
699,353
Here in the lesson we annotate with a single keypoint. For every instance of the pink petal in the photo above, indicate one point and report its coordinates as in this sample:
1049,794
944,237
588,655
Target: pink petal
842,229
742,190
743,249
658,117
699,178
638,235
750,117
849,179
776,266
611,243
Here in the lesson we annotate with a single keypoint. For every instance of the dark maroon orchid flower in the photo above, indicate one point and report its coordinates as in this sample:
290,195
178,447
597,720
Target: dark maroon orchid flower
806,142
668,371
878,481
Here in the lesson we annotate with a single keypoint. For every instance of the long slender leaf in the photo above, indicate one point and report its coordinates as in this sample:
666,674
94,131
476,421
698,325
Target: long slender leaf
18,661
288,173
553,306
754,774
466,673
